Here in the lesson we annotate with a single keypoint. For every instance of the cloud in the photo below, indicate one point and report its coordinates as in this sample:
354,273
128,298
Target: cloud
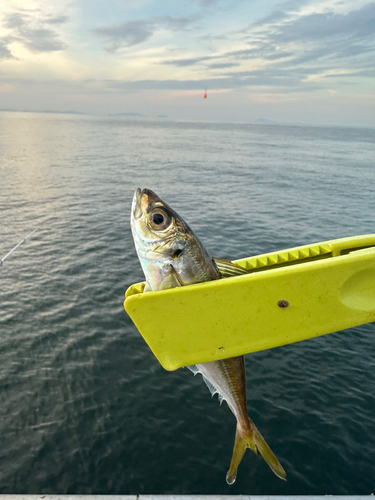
306,47
28,28
291,47
57,19
295,50
223,65
283,80
315,36
4,51
137,31
184,62
218,4
357,24
207,3
125,34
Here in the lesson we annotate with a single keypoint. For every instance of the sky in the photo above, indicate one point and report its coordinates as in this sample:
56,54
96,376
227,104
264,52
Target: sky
305,61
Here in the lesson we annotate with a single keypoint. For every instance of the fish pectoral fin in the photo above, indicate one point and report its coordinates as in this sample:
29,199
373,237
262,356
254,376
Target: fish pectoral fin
253,439
228,269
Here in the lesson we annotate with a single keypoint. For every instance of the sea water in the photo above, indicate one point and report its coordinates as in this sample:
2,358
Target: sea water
84,405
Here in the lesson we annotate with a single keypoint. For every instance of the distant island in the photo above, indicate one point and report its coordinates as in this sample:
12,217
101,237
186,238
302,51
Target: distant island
69,112
139,115
41,111
129,114
264,121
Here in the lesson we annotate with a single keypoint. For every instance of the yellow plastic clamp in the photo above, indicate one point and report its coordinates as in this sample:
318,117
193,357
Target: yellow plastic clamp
288,296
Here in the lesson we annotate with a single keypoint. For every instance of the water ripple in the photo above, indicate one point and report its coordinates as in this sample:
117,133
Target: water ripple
85,407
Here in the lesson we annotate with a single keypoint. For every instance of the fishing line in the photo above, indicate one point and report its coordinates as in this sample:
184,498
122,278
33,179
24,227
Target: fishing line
18,244
61,286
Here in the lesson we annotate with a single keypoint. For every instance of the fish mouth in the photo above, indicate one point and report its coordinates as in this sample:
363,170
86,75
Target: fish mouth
142,200
137,204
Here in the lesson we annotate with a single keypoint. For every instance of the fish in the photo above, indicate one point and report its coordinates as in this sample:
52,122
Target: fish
171,255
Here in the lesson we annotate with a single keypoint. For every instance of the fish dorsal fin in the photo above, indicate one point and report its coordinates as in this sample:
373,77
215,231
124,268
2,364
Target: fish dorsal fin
228,268
213,390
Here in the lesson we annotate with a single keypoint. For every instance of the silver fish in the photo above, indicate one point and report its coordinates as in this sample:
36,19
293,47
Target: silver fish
171,255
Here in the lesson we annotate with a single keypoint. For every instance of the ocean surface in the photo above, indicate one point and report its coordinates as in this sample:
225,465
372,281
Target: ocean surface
84,405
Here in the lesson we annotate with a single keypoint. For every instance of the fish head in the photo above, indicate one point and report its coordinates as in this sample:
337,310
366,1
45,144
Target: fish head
157,228
169,252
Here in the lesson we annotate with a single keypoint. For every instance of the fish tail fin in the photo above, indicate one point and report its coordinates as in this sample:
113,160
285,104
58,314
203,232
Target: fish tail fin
252,438
268,455
240,445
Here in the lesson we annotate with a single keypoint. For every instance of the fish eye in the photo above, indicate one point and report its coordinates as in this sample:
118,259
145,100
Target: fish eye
159,219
